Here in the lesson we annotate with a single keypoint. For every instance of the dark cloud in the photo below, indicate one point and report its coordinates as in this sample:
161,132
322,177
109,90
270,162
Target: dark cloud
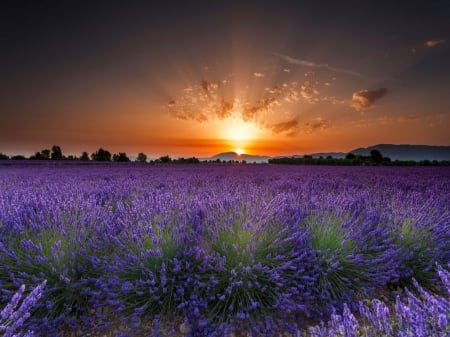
226,110
290,127
317,124
293,126
209,86
251,112
365,99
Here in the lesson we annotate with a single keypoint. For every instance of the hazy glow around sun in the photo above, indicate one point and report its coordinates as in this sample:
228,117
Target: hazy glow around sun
238,130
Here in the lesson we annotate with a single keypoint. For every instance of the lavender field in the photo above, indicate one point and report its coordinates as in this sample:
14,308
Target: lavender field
218,250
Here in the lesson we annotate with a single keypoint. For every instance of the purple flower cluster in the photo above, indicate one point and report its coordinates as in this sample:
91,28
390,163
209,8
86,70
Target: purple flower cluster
420,315
12,318
216,249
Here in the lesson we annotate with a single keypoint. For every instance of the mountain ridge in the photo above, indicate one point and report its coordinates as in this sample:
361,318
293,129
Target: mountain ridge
393,151
407,151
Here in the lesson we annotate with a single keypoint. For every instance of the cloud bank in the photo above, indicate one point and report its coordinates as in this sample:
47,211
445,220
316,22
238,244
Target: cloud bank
212,100
274,108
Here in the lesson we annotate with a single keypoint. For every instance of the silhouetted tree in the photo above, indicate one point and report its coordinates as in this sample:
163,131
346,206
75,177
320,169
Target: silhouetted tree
165,159
350,156
3,156
84,156
386,161
18,157
191,160
43,155
141,158
121,157
355,161
56,153
101,155
376,156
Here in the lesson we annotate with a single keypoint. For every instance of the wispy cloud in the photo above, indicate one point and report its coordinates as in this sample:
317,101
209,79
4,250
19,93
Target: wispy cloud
201,102
365,99
293,126
251,111
310,64
433,43
256,74
290,127
319,123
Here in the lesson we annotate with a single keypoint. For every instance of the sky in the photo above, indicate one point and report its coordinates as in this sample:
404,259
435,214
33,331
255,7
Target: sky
195,78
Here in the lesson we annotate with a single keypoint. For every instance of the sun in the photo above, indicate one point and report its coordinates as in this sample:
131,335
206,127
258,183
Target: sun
239,135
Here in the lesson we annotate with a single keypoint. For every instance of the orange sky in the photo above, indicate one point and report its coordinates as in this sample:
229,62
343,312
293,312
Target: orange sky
200,79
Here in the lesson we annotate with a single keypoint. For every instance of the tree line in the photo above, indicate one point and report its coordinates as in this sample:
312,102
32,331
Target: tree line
374,159
101,155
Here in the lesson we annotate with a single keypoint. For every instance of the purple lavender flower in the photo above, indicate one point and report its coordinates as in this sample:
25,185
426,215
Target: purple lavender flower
12,319
277,245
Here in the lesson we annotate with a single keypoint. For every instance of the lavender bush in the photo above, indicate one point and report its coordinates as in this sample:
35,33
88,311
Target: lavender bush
416,315
216,249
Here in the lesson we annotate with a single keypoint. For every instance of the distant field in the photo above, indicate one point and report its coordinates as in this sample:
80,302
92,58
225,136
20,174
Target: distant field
216,248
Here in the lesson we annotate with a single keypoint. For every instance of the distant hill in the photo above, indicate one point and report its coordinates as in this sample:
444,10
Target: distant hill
395,152
407,152
235,157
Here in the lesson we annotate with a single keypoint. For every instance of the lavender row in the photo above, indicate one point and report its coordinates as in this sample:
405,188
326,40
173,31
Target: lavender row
414,316
213,248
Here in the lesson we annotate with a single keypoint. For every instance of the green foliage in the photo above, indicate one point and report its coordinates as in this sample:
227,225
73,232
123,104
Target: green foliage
417,255
341,275
248,257
156,271
56,257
